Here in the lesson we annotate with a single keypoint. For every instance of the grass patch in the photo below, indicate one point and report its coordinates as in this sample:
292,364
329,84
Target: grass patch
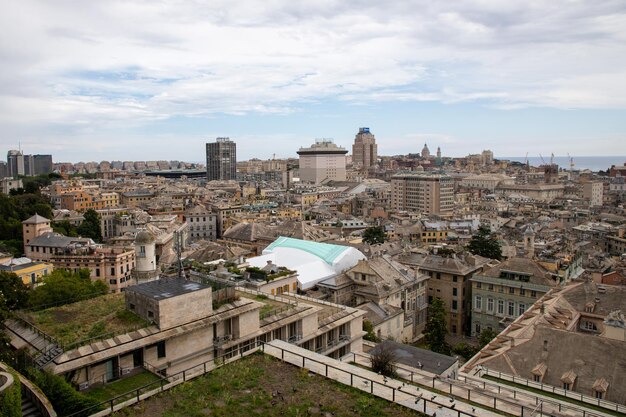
86,319
552,395
122,386
260,385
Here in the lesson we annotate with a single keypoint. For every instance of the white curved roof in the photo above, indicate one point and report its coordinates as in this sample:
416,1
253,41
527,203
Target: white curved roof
313,261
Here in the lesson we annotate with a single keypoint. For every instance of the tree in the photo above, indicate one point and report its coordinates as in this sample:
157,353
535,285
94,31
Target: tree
373,235
486,336
436,327
13,292
485,243
368,327
90,227
383,359
64,287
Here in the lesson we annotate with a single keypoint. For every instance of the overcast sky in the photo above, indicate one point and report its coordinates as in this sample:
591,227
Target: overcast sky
134,80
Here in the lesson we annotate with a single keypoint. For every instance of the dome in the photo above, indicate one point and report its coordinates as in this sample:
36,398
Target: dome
144,237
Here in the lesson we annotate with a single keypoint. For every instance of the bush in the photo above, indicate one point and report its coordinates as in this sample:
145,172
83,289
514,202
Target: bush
65,399
11,398
464,350
383,360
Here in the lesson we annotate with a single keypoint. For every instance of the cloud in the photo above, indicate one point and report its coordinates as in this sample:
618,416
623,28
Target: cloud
120,64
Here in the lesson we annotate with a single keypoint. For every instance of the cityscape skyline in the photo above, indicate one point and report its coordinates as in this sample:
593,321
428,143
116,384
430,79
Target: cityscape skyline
88,83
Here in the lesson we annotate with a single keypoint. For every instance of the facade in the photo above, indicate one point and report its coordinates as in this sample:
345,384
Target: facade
322,161
449,280
364,150
423,193
593,192
112,265
202,223
145,255
9,184
31,273
571,339
189,324
15,163
221,160
504,292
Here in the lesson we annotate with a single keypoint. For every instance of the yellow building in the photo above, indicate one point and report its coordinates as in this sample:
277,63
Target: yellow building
31,273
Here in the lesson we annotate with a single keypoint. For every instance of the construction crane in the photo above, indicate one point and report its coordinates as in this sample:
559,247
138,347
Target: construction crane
543,161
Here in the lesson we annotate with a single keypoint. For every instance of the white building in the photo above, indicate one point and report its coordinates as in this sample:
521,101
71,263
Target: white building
322,161
202,223
314,261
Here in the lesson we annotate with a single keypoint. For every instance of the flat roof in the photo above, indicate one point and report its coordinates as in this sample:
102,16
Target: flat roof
427,360
164,288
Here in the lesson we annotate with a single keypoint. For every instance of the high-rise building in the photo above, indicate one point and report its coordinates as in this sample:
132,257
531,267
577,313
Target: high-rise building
15,163
43,164
221,160
364,150
322,161
423,193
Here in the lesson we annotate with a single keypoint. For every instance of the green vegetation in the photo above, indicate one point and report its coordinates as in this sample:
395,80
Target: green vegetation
486,336
100,316
122,386
62,287
65,228
13,293
436,327
263,386
465,350
383,360
485,243
11,398
369,328
373,235
14,209
65,399
90,227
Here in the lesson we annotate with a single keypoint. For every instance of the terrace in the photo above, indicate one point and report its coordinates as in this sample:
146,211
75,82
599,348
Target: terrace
84,322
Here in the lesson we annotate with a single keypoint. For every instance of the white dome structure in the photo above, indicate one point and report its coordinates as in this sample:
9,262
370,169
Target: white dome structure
314,261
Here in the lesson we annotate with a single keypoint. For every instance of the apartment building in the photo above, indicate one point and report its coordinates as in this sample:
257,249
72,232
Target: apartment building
112,265
504,292
449,280
322,161
423,193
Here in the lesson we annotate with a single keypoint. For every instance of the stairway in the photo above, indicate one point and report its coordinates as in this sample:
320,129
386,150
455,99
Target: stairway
43,347
29,409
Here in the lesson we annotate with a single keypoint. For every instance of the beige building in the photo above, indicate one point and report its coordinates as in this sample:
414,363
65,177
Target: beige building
113,265
449,280
593,191
364,150
571,339
322,161
189,325
423,193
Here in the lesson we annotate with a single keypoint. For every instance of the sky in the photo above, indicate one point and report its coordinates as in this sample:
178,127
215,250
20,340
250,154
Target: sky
146,80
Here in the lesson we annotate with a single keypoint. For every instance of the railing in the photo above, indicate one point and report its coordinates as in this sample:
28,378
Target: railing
263,315
466,390
372,384
555,390
167,382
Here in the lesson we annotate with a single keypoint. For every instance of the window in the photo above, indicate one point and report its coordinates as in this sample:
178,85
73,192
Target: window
132,307
537,378
478,302
522,292
597,394
490,304
479,285
150,314
511,290
511,308
454,292
438,275
490,287
112,270
566,386
112,281
521,308
161,349
477,328
500,288
454,305
97,272
533,294
454,278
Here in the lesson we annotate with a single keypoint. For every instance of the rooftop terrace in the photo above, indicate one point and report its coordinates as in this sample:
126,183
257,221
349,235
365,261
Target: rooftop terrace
87,320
